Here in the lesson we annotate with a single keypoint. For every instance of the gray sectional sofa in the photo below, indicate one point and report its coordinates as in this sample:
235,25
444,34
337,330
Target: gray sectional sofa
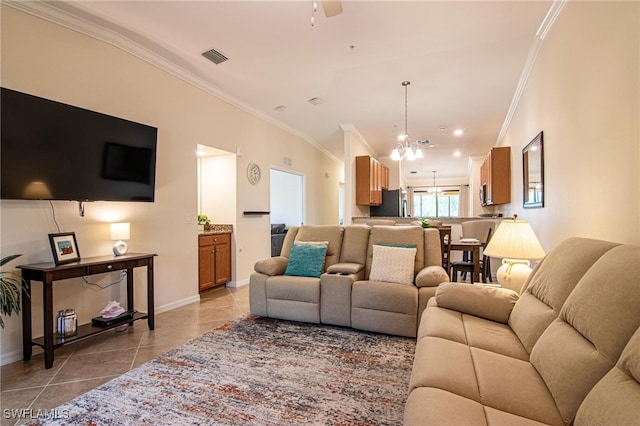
565,351
344,294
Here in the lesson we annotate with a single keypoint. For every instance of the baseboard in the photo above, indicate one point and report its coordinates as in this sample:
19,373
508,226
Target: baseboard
174,305
10,357
238,283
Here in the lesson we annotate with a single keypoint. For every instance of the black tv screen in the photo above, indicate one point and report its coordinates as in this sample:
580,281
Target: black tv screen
54,151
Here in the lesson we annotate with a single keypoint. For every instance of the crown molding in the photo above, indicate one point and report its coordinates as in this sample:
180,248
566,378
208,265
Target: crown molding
97,27
348,127
536,45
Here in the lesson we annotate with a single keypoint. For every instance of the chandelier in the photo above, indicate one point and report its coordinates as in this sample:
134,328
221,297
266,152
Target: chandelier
404,148
434,188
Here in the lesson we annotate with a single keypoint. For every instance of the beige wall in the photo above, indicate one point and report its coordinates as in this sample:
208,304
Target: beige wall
584,94
44,59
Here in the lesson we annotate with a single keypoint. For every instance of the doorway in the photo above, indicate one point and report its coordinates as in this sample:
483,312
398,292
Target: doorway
287,197
217,185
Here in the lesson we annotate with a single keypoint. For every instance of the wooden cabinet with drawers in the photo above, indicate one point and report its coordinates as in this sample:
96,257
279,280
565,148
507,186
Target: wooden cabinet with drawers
214,260
371,178
495,177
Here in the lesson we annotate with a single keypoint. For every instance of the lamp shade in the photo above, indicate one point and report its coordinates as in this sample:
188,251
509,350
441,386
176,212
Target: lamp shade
120,231
514,239
395,154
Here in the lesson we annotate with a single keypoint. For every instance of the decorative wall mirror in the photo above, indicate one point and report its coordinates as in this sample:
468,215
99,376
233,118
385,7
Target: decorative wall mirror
533,173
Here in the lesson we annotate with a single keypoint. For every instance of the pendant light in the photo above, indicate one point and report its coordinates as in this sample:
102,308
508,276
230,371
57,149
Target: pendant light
434,188
403,148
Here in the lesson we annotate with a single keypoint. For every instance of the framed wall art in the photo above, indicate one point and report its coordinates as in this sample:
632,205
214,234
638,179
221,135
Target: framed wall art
64,247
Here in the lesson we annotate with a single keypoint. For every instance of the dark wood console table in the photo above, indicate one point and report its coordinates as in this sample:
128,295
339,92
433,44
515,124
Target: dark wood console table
48,272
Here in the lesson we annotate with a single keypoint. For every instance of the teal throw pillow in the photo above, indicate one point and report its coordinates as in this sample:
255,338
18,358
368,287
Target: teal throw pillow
397,245
306,260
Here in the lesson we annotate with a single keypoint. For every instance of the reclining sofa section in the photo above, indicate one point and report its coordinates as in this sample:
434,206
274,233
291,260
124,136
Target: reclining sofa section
344,294
566,351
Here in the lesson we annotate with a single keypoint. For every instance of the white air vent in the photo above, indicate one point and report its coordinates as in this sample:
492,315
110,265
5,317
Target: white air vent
214,56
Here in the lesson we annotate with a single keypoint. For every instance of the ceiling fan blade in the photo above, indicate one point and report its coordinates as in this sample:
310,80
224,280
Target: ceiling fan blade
331,7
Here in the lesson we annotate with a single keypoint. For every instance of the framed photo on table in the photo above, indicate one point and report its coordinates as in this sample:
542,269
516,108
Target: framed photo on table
64,247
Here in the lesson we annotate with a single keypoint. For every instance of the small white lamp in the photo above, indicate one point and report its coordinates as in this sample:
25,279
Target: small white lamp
516,243
120,231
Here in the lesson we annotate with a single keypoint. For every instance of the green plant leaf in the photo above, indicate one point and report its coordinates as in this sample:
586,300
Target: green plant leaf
11,285
8,259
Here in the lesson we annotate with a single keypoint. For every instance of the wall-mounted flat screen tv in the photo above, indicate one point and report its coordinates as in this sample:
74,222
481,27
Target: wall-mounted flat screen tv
54,151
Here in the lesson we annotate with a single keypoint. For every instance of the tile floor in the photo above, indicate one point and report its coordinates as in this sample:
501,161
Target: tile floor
84,365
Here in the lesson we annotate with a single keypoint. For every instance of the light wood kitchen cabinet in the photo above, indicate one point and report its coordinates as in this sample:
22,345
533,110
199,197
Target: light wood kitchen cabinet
371,178
214,260
495,177
385,176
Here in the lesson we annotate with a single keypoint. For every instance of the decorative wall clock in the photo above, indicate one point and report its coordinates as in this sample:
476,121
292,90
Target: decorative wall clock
253,173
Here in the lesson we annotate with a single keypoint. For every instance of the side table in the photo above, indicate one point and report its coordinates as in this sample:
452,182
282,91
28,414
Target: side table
48,272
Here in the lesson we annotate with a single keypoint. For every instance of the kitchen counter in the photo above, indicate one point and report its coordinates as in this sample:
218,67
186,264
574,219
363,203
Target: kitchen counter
408,220
216,229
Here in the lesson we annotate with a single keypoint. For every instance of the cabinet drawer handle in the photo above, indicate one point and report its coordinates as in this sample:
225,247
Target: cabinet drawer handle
109,267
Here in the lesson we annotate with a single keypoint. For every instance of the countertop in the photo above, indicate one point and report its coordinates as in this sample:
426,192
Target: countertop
215,229
445,220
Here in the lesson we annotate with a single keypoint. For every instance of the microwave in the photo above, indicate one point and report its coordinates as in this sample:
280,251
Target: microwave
483,194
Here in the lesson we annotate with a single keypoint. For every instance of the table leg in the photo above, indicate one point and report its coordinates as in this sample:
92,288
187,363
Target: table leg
47,298
27,348
476,264
130,302
150,300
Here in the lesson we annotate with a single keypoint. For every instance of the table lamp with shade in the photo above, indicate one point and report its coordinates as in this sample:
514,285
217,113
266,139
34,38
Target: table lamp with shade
515,242
120,232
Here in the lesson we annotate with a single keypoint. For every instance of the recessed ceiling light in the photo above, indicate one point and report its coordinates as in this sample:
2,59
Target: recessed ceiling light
280,108
315,101
458,132
457,154
443,128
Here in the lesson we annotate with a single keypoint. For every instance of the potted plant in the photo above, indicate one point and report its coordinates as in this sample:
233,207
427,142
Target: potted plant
203,220
11,285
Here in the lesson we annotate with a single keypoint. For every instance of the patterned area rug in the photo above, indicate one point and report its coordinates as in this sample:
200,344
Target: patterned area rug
258,371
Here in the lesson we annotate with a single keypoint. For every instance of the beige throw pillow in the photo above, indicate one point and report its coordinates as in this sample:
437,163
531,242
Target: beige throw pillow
392,264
